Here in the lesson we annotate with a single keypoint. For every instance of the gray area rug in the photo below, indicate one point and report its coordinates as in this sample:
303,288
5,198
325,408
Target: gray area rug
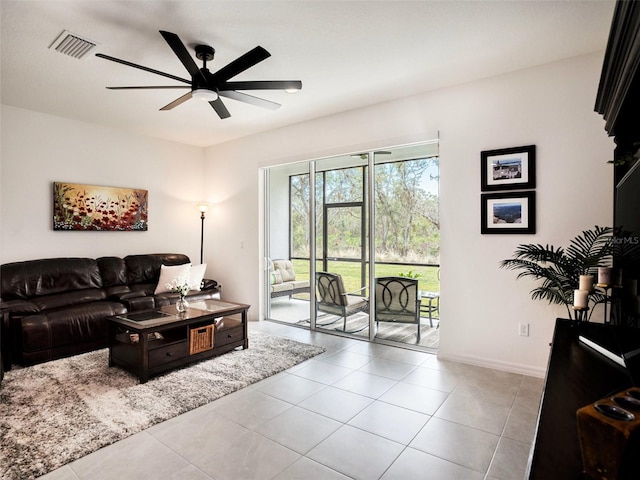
59,411
397,332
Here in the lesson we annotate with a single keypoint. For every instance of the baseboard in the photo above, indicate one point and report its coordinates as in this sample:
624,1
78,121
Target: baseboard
495,364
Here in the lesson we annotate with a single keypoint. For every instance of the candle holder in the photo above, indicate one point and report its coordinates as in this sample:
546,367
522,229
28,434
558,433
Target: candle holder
606,287
581,313
608,299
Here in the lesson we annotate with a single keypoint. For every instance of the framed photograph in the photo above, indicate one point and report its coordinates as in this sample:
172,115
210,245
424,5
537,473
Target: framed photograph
511,212
91,207
508,168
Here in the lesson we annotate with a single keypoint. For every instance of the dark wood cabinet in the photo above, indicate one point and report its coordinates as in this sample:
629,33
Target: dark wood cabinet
576,376
618,99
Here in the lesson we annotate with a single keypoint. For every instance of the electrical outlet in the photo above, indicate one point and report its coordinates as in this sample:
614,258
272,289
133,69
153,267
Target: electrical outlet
523,330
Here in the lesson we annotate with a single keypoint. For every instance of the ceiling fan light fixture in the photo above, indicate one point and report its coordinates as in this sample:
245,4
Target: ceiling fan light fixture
292,90
204,94
208,86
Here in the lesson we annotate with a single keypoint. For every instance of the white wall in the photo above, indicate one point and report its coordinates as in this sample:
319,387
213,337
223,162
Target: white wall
38,149
550,106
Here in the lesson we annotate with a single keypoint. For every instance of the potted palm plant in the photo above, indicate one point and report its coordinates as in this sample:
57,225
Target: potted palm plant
560,268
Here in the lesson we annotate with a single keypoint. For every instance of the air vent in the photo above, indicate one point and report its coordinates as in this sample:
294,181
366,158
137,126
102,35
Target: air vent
72,45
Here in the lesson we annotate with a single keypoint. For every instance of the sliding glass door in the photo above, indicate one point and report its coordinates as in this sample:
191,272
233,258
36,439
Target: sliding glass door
287,244
320,217
407,245
341,244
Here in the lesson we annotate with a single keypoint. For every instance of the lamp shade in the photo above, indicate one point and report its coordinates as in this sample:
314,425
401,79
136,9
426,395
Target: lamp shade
203,207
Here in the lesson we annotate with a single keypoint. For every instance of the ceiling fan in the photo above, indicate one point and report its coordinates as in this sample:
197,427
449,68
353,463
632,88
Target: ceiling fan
211,86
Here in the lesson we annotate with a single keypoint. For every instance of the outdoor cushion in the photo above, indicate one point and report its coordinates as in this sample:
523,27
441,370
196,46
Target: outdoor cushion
276,278
300,283
281,287
285,267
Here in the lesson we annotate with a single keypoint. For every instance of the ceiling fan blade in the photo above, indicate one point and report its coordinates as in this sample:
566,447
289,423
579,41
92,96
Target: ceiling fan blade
146,69
183,55
177,101
243,97
220,108
263,85
241,64
148,87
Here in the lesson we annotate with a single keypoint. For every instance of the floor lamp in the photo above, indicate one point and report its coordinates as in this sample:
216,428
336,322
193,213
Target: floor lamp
203,207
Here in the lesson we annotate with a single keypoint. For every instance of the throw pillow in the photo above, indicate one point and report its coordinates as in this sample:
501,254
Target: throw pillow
169,275
276,278
196,274
287,276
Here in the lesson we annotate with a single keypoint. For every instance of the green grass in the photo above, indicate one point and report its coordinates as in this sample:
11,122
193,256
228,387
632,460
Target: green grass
350,272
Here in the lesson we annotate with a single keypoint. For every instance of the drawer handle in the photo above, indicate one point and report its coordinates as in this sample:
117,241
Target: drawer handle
169,354
229,335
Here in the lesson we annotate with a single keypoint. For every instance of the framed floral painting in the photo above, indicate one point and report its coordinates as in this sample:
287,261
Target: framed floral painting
91,207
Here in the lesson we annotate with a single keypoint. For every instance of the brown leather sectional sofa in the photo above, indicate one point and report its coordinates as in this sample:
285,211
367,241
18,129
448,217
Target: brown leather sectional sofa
56,307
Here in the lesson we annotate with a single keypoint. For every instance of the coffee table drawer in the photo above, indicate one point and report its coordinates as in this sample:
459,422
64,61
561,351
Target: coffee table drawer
229,335
162,355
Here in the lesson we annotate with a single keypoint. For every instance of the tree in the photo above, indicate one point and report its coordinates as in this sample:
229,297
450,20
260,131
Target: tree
407,224
407,214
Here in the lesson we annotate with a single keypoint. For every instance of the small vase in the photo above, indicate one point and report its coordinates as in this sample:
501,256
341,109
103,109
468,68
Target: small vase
182,305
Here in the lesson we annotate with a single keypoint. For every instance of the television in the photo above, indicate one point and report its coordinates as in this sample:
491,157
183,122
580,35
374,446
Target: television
619,340
625,307
626,247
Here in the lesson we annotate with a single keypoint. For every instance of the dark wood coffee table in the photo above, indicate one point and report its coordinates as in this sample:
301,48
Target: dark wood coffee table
153,341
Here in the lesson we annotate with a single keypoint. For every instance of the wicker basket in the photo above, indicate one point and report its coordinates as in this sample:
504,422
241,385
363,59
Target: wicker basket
201,339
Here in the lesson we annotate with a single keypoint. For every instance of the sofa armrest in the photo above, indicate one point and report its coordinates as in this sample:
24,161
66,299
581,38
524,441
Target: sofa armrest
135,304
208,284
18,306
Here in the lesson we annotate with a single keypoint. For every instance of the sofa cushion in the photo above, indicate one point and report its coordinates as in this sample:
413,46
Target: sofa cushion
81,323
118,291
146,268
32,278
59,300
172,276
113,271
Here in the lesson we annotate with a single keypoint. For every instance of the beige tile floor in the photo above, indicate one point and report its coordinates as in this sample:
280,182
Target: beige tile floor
359,410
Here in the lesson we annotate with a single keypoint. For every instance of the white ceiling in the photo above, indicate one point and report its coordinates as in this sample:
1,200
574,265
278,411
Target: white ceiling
348,54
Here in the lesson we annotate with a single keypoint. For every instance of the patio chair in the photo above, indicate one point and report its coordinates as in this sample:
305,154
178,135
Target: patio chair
332,298
397,300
